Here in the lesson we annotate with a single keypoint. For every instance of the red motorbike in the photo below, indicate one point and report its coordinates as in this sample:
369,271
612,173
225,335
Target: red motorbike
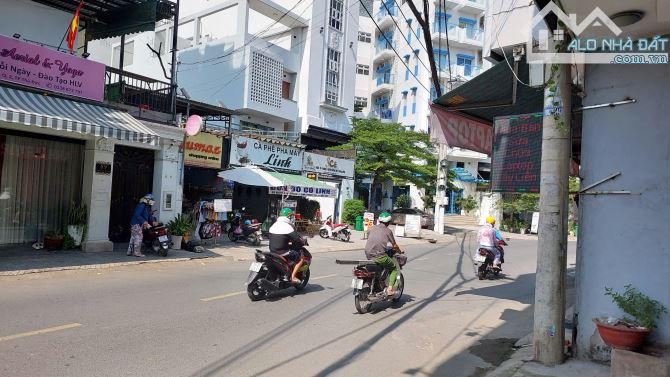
156,238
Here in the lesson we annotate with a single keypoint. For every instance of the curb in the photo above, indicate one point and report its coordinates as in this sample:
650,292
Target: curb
106,265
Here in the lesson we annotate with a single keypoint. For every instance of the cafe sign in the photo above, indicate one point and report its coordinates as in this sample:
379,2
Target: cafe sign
328,166
203,150
50,70
322,192
245,150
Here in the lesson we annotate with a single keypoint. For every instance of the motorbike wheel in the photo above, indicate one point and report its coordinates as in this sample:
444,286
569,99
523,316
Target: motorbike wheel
496,272
323,233
345,236
481,273
400,288
231,236
164,251
305,280
255,292
362,306
254,240
156,246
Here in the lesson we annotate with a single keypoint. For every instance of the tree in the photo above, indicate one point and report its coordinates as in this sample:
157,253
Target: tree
467,203
389,152
422,19
403,201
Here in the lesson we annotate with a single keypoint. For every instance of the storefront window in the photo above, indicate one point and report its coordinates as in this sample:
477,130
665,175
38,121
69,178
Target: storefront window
39,180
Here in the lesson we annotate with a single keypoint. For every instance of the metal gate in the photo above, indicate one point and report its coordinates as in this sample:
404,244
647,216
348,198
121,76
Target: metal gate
132,178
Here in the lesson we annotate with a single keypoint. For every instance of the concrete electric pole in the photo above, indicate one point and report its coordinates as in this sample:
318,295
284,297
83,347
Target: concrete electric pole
548,332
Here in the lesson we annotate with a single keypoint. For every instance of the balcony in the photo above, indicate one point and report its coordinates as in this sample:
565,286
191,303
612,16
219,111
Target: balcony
292,136
138,91
383,83
467,37
461,71
385,17
470,6
385,115
384,50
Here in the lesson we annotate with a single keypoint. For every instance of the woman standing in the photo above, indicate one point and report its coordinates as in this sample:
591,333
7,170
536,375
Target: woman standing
141,219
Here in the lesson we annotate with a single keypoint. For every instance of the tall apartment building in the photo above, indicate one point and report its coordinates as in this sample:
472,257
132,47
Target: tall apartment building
286,67
393,79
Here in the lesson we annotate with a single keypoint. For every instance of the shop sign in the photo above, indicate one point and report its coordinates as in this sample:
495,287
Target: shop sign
368,220
412,226
103,167
245,150
458,131
312,176
329,166
304,191
204,150
46,69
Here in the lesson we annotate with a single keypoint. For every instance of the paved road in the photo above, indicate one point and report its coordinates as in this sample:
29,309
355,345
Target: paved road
194,319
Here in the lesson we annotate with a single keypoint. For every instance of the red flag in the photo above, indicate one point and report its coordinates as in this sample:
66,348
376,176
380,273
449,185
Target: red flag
72,30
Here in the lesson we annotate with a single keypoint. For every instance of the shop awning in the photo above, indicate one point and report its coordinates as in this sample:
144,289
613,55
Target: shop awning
279,183
33,109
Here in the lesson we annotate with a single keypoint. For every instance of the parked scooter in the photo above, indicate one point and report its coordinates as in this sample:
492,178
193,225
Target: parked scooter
272,272
338,231
156,238
369,281
246,232
484,258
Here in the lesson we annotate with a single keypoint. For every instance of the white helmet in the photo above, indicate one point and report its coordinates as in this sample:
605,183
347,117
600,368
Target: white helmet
384,217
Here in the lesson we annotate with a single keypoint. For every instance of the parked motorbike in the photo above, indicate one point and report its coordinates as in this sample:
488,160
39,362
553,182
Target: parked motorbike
339,231
272,272
248,232
156,238
484,258
369,282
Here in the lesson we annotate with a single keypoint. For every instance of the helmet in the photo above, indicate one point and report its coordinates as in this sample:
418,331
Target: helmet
285,212
490,220
148,199
247,222
385,217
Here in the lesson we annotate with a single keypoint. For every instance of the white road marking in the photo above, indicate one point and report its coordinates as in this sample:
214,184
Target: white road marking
232,294
38,332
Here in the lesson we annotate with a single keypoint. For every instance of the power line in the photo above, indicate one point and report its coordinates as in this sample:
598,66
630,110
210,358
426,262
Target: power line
444,2
390,45
403,35
509,12
410,28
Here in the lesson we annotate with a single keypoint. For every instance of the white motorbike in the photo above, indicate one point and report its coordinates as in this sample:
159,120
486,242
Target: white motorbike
336,231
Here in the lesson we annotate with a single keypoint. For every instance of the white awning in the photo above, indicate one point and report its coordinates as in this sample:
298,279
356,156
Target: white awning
252,176
279,183
33,109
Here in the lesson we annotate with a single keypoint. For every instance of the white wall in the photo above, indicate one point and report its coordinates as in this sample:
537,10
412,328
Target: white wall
504,28
623,239
35,22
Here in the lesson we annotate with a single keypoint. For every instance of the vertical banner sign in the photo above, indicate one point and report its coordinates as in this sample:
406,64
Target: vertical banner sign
517,153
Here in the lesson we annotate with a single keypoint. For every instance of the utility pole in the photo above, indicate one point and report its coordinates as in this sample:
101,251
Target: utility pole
548,332
442,176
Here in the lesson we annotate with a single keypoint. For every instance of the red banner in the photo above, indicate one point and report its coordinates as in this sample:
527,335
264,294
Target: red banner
458,131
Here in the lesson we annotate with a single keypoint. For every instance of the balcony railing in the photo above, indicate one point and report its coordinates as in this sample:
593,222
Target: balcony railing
135,90
458,33
468,71
392,11
281,135
385,114
384,78
382,45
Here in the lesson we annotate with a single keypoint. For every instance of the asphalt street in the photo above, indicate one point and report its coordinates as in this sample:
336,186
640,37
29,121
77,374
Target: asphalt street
195,319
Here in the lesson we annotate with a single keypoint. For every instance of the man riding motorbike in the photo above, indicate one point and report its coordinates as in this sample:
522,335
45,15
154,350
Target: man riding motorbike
487,239
376,248
285,240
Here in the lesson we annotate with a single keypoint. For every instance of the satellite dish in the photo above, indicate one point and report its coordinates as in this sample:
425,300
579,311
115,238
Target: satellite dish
193,124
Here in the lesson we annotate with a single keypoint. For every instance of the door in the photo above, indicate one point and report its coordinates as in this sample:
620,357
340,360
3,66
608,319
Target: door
132,178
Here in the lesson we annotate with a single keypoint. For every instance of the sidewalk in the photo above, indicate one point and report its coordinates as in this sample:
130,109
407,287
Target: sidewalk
23,260
521,364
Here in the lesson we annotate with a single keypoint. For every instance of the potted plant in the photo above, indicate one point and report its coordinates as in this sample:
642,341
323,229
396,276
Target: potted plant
53,240
76,219
179,228
629,333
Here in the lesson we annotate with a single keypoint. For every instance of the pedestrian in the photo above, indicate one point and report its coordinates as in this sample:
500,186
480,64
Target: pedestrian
142,219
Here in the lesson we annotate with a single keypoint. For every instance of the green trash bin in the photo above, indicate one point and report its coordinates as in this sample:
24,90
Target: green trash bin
359,223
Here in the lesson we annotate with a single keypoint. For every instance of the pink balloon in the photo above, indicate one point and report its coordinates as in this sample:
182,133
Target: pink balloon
193,124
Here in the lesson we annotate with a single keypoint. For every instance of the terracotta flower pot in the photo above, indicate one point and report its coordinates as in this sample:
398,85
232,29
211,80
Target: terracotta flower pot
620,336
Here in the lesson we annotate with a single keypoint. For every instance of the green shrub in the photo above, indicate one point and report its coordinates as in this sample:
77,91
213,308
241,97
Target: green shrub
352,208
641,307
467,203
403,201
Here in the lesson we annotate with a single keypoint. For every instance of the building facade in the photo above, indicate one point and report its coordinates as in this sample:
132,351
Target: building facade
393,78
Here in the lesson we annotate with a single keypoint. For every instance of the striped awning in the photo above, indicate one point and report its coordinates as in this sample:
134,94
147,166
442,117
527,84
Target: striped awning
33,109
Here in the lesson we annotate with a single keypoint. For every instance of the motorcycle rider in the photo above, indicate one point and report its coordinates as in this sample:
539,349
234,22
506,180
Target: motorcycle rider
487,239
284,240
377,250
